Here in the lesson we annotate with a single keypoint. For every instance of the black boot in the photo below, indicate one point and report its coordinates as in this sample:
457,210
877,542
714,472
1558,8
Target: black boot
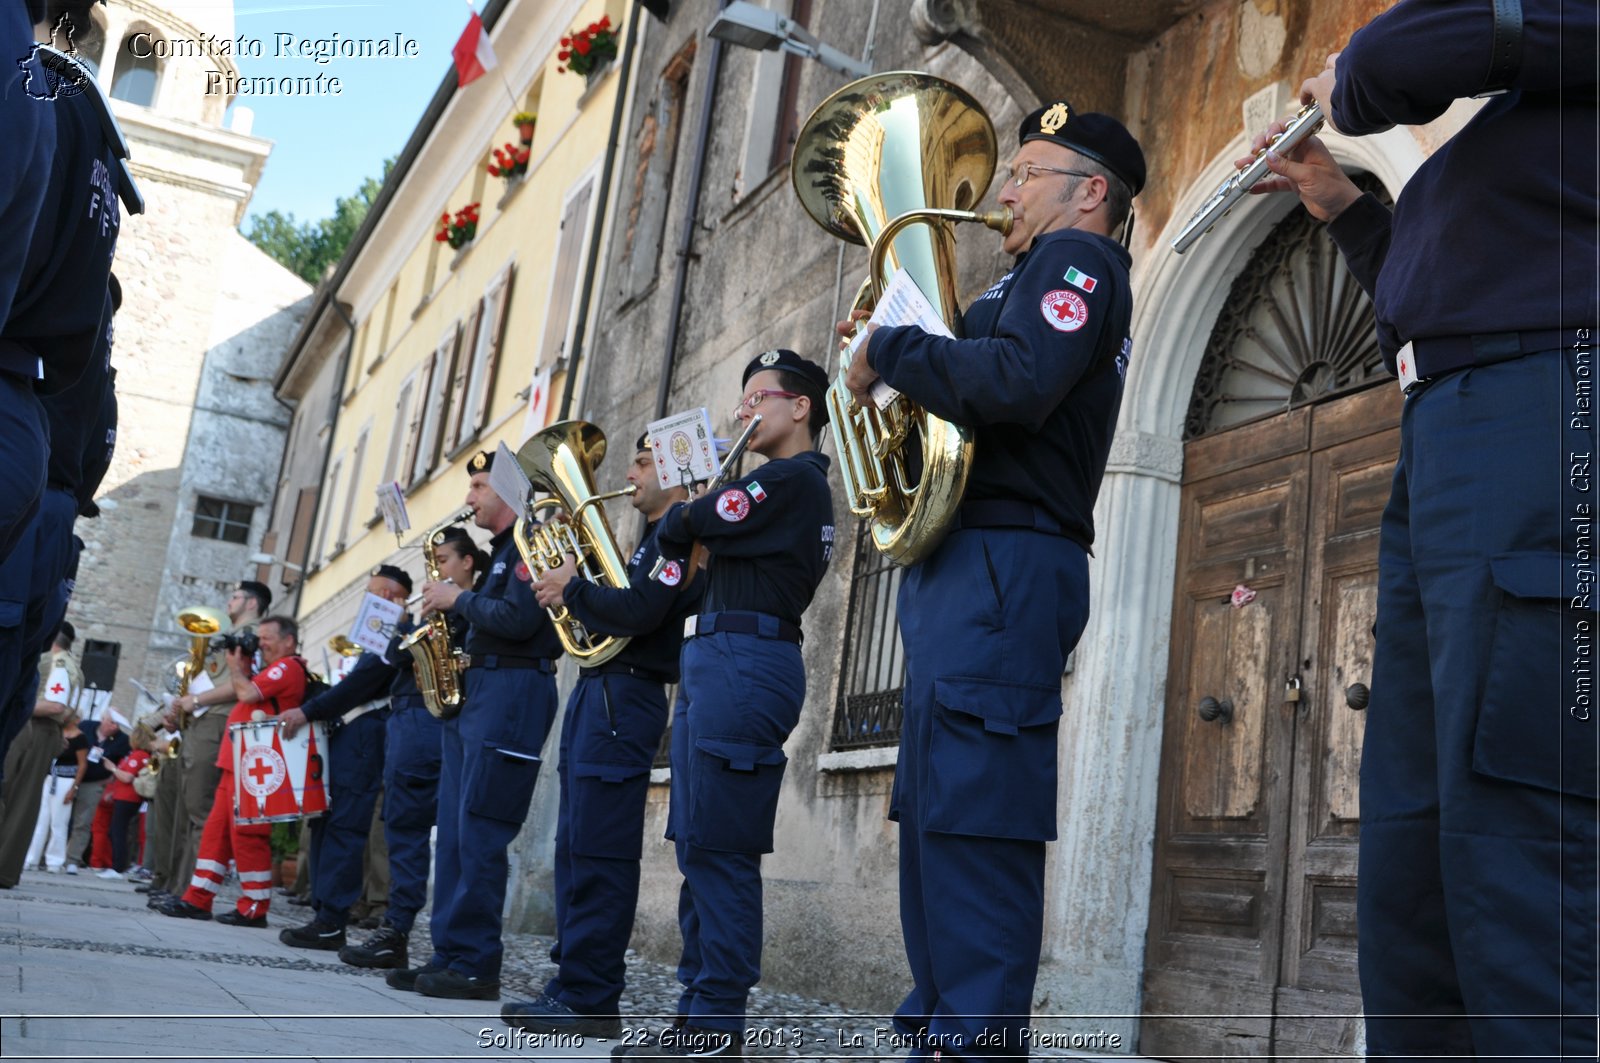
384,948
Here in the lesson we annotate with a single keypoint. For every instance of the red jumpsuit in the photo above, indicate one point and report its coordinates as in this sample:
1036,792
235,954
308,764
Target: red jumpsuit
249,846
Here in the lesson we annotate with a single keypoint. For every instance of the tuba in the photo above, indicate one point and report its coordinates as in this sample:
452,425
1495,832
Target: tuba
437,663
202,623
561,460
879,156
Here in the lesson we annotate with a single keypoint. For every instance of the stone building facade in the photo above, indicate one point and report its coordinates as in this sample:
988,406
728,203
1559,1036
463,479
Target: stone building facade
1196,872
1200,900
204,322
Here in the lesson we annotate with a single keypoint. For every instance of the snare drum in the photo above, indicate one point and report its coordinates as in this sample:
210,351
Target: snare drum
278,779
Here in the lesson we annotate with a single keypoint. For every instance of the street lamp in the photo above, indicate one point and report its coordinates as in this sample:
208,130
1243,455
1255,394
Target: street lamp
755,27
268,559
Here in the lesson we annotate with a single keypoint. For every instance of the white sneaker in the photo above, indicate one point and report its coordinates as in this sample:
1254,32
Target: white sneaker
72,869
110,872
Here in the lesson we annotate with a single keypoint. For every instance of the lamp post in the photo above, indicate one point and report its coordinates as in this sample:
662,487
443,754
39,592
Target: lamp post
750,26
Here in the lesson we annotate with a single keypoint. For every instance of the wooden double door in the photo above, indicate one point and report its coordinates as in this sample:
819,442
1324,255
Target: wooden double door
1252,939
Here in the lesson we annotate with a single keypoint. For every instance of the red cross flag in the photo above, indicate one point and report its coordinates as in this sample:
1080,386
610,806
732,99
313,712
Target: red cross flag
473,53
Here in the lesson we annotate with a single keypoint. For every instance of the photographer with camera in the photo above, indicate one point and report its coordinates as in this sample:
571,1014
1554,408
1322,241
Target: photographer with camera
203,731
279,686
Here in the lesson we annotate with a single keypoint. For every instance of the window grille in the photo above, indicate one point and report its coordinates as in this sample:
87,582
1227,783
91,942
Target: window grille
872,673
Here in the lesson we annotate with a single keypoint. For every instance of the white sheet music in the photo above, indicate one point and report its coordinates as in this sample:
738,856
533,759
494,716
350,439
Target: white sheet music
902,303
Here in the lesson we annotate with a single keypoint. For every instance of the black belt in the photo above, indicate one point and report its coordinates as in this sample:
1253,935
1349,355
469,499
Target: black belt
1447,354
758,624
502,660
1005,513
618,668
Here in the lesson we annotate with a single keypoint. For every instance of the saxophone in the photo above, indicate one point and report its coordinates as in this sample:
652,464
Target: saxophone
438,664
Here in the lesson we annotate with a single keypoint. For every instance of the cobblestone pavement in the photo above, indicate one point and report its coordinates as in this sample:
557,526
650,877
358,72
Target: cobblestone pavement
71,946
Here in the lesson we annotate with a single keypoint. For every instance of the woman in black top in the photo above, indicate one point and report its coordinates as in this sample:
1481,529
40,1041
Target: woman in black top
55,808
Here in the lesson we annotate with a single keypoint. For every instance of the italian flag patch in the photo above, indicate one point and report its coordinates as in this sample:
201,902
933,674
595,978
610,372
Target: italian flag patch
757,492
1080,279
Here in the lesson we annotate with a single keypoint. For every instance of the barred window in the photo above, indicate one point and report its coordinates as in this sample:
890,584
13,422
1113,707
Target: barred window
872,674
215,518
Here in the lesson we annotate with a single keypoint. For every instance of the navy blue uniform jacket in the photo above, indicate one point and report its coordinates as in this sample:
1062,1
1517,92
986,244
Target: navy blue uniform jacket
369,680
770,535
503,614
1039,378
650,611
1496,231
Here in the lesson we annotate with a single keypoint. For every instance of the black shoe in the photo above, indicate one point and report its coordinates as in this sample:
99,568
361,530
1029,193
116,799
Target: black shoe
233,918
156,898
178,908
406,979
546,1014
371,922
386,947
453,985
144,887
314,935
681,1040
298,902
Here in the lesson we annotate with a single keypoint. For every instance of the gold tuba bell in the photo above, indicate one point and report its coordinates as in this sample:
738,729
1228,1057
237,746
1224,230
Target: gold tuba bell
881,155
561,460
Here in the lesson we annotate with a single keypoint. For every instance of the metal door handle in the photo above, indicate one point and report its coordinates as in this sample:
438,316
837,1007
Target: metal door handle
1356,695
1212,710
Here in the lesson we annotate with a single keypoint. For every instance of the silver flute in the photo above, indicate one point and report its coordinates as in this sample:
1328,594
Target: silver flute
1306,122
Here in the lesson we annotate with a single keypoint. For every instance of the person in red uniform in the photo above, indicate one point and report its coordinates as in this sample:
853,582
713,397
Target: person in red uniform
280,685
125,800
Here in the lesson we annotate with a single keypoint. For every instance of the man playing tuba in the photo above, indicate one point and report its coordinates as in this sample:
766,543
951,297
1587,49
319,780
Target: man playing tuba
989,617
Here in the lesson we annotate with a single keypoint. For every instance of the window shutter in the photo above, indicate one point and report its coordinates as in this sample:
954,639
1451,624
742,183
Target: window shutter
411,466
305,508
465,342
563,289
494,334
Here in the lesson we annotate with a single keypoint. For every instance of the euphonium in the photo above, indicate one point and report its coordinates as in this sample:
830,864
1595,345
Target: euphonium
561,461
883,154
203,623
438,664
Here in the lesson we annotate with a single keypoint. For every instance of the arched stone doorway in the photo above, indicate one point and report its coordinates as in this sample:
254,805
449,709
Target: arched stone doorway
1101,872
1289,450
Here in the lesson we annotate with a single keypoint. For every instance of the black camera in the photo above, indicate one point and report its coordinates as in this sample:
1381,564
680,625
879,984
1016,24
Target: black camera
246,641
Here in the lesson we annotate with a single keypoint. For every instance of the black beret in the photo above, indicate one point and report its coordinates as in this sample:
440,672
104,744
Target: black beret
482,461
1097,136
790,362
644,442
395,573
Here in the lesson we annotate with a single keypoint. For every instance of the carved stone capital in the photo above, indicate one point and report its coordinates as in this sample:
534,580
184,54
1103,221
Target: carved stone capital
934,21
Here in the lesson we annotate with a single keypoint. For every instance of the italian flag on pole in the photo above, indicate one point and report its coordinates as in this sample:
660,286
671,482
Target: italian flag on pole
473,53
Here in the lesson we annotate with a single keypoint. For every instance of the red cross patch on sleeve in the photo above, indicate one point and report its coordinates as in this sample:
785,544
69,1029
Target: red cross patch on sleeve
1064,310
672,575
733,505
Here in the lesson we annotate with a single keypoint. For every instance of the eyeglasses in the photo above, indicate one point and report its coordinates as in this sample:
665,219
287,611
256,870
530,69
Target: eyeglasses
1022,171
751,401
